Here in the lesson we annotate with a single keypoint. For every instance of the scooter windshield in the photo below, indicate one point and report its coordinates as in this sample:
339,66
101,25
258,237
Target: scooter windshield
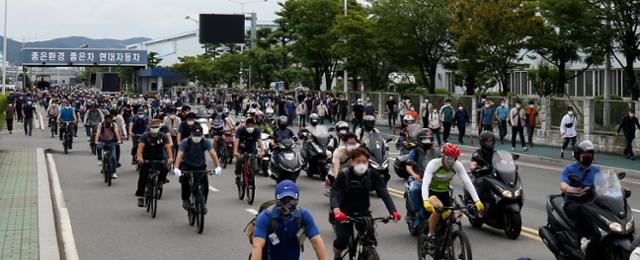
609,192
377,147
505,167
321,134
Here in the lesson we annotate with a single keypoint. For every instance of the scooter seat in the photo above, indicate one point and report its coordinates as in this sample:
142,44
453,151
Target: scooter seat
558,204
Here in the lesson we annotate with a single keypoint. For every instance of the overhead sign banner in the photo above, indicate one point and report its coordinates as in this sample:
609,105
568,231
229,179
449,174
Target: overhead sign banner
83,57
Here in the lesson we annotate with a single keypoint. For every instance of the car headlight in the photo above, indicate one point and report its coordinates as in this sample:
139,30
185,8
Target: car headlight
507,194
616,227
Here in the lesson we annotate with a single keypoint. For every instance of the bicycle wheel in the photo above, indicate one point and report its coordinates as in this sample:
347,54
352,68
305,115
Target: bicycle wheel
105,172
199,212
459,246
423,243
369,253
154,199
108,171
66,148
191,214
242,187
222,154
251,187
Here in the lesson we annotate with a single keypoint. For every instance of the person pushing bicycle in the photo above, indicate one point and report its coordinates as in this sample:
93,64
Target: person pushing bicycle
152,146
191,157
245,142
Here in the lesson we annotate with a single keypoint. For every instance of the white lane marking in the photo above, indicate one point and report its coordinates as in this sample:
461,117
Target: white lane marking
64,222
40,120
211,188
252,211
635,210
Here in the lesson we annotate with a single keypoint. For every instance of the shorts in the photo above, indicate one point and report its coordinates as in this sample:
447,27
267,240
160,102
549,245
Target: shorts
444,197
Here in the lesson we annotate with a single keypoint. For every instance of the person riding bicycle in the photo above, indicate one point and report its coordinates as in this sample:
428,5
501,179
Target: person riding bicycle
173,122
363,133
153,146
187,125
574,207
350,197
246,142
92,118
277,232
52,112
137,127
191,157
435,185
108,135
417,161
67,115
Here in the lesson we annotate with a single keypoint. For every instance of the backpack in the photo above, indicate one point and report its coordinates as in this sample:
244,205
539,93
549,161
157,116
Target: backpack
270,206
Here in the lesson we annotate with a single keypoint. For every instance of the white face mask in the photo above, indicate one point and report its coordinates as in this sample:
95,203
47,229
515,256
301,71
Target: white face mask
460,108
250,130
517,105
531,106
140,116
154,130
487,105
360,169
172,116
196,139
570,112
350,147
190,122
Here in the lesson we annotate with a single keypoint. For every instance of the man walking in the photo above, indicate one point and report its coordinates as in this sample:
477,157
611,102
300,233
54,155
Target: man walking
628,125
518,119
28,110
501,114
446,115
425,108
532,113
392,111
10,112
568,130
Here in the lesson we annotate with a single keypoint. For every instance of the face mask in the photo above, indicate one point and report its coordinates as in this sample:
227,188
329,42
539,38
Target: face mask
196,139
67,106
531,106
351,147
287,208
517,105
460,108
140,116
570,112
190,122
250,130
586,160
503,104
360,169
154,130
487,105
172,116
29,103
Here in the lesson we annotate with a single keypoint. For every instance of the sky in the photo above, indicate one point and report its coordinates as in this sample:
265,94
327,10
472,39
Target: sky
37,20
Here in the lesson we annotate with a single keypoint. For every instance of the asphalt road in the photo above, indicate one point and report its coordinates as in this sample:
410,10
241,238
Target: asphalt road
107,224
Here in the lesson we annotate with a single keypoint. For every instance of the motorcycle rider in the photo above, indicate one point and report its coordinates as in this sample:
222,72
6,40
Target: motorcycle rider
417,161
282,132
152,146
368,128
350,197
261,124
583,153
483,157
435,181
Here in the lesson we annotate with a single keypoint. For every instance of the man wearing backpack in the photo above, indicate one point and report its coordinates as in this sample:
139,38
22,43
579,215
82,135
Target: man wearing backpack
446,114
280,230
137,127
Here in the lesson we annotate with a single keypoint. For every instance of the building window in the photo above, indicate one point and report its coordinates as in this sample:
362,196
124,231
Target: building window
588,78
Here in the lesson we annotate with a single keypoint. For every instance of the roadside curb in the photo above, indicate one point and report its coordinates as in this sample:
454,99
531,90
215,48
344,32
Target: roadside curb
63,222
47,237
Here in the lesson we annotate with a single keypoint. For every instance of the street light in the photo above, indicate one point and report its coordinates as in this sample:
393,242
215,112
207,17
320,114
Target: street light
346,74
4,50
188,18
242,3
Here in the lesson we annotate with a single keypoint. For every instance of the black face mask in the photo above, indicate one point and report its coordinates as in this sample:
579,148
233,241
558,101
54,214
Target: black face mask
586,160
314,123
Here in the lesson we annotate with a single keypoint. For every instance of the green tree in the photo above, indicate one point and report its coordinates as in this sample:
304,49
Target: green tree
623,17
196,68
544,79
417,33
153,60
572,33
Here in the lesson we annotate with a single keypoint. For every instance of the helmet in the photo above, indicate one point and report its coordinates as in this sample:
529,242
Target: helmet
313,118
369,122
487,136
425,136
450,150
269,111
258,116
584,147
283,121
342,128
408,119
251,111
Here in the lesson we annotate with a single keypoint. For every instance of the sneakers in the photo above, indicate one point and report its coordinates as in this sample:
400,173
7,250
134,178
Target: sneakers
141,202
114,176
561,154
431,243
525,148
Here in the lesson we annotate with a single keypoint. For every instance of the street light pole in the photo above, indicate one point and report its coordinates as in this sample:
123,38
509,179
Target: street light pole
346,74
4,50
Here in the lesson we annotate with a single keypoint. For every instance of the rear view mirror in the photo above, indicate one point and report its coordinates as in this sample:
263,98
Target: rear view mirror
621,175
627,192
515,156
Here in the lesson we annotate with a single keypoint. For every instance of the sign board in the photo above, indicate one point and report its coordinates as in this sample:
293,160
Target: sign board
83,57
279,85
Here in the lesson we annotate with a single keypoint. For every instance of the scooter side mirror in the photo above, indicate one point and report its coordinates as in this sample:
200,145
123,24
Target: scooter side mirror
515,156
627,192
621,175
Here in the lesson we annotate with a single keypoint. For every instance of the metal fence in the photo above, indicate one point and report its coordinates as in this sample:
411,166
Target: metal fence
617,110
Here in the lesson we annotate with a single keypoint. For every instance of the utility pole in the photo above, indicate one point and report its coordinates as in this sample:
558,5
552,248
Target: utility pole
346,74
4,50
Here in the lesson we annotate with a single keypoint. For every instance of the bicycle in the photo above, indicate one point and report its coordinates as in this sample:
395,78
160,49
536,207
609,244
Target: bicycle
107,168
67,140
222,152
196,213
246,185
452,242
361,246
228,142
153,190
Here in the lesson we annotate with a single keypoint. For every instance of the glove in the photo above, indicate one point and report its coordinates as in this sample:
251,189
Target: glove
396,216
480,206
341,217
177,172
427,206
217,170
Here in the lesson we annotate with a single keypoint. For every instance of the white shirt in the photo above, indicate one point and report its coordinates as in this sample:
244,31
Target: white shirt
434,165
569,131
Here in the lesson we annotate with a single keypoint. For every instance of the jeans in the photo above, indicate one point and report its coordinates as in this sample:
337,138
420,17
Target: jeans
28,126
628,148
567,140
436,134
415,196
134,149
111,145
514,131
530,131
184,181
447,131
502,127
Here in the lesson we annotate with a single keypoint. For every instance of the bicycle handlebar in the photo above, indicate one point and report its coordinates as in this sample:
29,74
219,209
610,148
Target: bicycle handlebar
362,219
155,161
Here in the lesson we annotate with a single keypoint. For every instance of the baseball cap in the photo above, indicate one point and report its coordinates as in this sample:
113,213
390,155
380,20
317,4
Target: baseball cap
196,131
286,188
